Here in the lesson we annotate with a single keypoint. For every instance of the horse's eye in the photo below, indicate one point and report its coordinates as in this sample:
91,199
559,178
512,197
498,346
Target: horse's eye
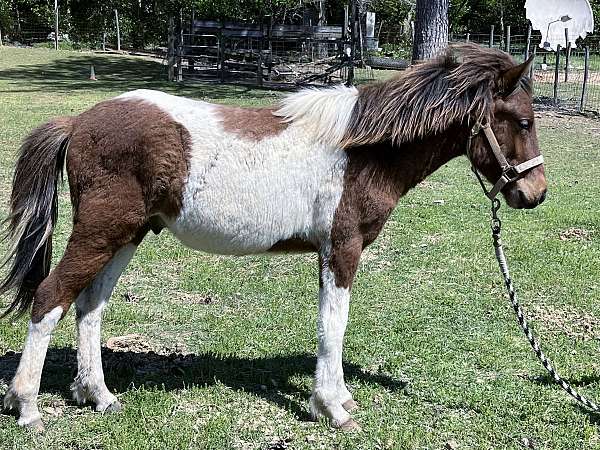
524,124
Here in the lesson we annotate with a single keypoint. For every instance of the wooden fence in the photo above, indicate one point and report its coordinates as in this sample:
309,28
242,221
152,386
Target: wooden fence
259,53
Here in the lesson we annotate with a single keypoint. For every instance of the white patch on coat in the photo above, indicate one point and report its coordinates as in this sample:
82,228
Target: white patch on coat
89,383
329,391
23,391
243,196
325,113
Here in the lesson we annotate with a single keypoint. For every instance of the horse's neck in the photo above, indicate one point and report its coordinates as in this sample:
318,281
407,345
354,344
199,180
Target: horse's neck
396,170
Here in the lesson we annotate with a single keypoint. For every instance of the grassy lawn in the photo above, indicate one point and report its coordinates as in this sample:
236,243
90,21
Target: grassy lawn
221,350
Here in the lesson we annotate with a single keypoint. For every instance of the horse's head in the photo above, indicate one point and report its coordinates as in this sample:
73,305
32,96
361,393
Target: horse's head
513,126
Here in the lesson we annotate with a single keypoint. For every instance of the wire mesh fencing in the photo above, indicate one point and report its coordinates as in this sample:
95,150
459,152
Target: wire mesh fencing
567,78
103,30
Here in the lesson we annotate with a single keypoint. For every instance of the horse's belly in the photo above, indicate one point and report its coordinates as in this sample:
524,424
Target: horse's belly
243,198
239,225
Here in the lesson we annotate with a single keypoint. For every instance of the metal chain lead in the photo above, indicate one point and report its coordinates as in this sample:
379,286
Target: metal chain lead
496,229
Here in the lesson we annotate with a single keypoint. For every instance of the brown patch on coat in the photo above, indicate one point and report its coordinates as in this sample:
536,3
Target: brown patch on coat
375,179
253,124
293,245
405,128
127,162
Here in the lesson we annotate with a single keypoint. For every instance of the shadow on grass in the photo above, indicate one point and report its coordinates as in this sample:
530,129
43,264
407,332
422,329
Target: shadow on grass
116,73
268,377
547,380
584,380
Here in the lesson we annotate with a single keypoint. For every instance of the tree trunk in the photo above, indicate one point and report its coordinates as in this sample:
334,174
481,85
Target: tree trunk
431,28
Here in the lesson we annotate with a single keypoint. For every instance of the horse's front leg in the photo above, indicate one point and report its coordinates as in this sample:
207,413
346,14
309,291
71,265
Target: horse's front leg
330,397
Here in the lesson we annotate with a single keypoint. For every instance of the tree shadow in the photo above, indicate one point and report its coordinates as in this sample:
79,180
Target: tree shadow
269,377
118,73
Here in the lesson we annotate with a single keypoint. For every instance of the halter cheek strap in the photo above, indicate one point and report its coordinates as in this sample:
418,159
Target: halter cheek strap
510,172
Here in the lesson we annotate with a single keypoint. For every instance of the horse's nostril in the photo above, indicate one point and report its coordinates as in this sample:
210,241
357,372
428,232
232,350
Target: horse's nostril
542,197
522,197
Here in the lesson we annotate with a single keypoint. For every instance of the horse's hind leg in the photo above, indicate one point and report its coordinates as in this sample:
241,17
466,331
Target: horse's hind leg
100,231
22,394
89,384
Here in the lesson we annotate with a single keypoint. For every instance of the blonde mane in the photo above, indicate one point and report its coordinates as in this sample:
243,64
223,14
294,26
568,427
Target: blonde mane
325,112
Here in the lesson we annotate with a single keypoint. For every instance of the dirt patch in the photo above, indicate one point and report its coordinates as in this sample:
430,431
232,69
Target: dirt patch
575,234
128,343
573,323
551,117
194,298
432,185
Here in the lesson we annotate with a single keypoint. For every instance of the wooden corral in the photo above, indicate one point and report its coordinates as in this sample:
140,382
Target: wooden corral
259,53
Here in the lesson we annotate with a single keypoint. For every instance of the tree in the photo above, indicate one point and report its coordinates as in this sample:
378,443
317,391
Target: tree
431,28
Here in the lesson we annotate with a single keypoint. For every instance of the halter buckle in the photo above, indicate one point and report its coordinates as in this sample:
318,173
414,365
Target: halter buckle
510,174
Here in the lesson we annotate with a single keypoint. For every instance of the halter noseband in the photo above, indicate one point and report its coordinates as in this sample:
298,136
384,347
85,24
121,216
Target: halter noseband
510,173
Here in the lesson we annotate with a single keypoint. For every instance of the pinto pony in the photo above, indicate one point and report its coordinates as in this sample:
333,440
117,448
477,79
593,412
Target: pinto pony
321,172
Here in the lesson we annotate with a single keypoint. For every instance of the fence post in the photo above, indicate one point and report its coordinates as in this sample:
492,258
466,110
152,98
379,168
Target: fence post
259,68
586,71
0,37
352,44
269,62
180,48
346,22
55,24
104,41
567,54
527,42
556,67
492,36
532,68
508,39
221,54
171,49
468,37
118,31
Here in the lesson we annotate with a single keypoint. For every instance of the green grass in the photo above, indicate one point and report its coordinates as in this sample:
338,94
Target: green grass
432,352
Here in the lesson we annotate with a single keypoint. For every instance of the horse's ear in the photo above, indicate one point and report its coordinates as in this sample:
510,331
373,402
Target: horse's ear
509,80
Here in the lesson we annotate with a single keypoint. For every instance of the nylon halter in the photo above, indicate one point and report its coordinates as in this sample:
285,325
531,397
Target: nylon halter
510,173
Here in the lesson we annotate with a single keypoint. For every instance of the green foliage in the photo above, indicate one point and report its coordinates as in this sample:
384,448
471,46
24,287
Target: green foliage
145,22
250,10
402,50
478,15
5,15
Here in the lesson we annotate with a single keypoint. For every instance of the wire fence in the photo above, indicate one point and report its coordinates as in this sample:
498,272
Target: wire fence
568,78
106,31
569,83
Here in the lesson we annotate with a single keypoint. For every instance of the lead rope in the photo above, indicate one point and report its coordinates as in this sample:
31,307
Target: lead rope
496,229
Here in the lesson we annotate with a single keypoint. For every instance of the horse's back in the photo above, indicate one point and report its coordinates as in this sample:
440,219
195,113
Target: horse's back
238,180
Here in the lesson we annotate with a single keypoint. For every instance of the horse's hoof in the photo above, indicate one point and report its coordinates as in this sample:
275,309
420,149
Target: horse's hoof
350,425
350,405
113,407
35,425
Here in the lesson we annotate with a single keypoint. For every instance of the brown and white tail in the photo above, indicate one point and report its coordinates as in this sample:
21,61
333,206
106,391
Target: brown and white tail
33,211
